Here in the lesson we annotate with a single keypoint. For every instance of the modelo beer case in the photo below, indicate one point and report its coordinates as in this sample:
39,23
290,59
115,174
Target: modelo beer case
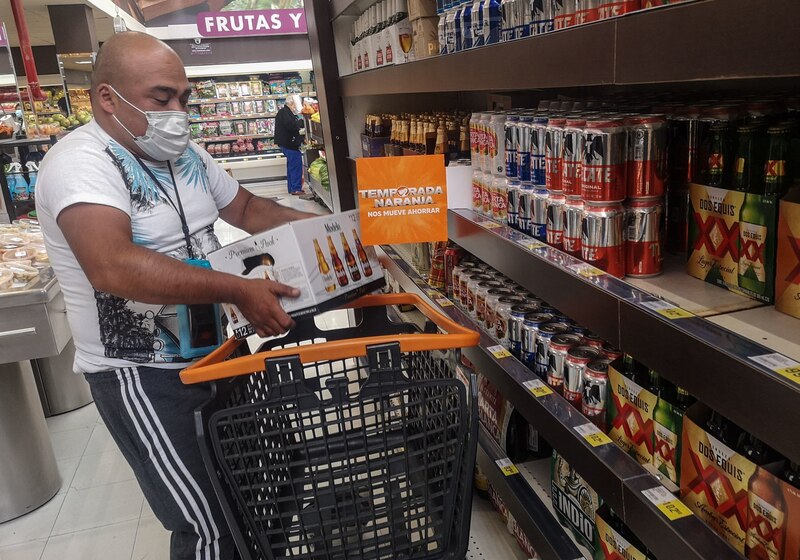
787,273
746,504
574,501
322,257
732,240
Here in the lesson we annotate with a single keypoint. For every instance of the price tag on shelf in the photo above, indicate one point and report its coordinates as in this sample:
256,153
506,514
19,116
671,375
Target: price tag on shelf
668,504
488,224
531,243
538,388
780,364
666,309
499,351
507,466
444,302
585,270
433,294
592,434
420,282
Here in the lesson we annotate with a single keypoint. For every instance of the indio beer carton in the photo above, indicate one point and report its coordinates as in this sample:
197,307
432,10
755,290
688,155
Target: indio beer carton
732,240
575,502
748,505
630,415
322,257
787,270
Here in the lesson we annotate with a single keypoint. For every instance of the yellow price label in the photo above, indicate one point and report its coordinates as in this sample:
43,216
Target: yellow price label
489,225
668,310
586,270
592,434
667,504
499,351
507,467
791,373
538,388
780,364
444,302
531,243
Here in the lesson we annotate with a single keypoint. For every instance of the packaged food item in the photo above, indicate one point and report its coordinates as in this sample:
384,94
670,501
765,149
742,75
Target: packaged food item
194,111
252,127
244,89
223,109
195,130
13,240
240,127
236,108
210,129
6,278
258,106
256,87
262,126
226,128
294,85
270,127
22,255
277,87
208,110
21,272
271,106
39,252
222,90
206,89
247,107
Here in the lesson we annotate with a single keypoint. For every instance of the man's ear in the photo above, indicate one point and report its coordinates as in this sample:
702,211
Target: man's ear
105,98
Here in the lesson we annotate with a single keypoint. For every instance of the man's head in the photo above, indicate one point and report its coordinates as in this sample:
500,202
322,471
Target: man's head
294,103
145,72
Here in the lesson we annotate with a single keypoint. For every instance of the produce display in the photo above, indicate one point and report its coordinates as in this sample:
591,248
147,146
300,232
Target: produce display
319,171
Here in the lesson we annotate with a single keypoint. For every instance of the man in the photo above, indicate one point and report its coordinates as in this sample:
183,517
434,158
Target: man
289,136
122,202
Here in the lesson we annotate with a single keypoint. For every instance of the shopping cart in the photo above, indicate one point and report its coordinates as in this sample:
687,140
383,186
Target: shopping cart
353,443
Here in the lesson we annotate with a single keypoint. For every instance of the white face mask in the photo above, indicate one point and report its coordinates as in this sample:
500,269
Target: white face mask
167,135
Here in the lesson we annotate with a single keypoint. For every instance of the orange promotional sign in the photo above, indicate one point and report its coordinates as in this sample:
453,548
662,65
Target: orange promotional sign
402,199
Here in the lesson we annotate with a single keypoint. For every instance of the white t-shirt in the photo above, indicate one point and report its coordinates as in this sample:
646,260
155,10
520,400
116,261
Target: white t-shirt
88,166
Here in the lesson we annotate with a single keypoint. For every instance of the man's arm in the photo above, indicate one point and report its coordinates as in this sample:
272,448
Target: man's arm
254,214
100,238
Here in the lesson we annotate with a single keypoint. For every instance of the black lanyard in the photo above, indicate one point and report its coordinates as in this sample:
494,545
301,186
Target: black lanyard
178,208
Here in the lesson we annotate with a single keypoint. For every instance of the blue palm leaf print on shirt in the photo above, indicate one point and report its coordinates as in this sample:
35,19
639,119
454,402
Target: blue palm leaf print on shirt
192,168
144,193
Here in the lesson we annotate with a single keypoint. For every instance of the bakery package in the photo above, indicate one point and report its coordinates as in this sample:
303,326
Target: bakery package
322,257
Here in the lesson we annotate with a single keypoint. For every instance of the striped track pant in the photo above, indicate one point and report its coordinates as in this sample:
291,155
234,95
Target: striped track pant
150,415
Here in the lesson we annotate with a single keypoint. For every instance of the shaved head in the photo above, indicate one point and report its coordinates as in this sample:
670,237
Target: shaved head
124,55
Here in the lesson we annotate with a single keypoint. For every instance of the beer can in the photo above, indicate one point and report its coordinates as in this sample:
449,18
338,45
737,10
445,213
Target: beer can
573,222
553,149
556,357
617,8
525,201
572,156
477,191
538,151
564,13
512,203
591,339
555,220
544,336
523,20
481,292
541,17
579,330
545,307
509,15
644,227
492,299
524,131
595,392
530,327
516,321
647,156
502,314
610,353
587,11
512,140
474,141
458,271
500,198
538,214
486,193
472,289
452,258
602,238
496,144
603,177
578,357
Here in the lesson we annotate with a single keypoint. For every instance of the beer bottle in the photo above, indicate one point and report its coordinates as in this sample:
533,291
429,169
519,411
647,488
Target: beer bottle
441,139
350,259
749,158
324,269
753,234
720,155
338,267
723,429
791,474
766,517
666,436
755,449
516,437
777,178
653,382
362,255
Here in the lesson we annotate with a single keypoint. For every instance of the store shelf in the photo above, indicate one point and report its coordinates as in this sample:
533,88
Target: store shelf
617,477
231,138
721,41
710,362
234,117
250,97
488,535
531,512
27,142
766,326
321,192
257,157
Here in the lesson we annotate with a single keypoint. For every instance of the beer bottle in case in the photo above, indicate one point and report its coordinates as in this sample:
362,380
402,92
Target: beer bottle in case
749,158
338,267
350,259
324,269
791,474
362,255
720,155
723,429
777,176
766,508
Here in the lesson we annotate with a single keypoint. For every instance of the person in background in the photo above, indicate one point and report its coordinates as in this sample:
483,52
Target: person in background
289,134
124,202
62,106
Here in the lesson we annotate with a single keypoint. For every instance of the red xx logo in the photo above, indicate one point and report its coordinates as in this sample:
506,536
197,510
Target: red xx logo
752,250
794,275
729,236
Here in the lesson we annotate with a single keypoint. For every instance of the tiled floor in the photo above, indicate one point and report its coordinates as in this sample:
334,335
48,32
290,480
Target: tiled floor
100,512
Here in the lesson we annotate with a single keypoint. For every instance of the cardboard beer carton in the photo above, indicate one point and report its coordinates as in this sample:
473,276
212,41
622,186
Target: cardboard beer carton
322,257
610,544
425,34
421,9
630,415
575,502
787,269
401,35
746,504
730,252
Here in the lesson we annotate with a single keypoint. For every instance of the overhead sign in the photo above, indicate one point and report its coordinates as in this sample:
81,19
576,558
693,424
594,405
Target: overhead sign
402,199
252,22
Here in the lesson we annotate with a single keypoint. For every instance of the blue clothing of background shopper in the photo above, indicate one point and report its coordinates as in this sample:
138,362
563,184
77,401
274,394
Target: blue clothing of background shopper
289,131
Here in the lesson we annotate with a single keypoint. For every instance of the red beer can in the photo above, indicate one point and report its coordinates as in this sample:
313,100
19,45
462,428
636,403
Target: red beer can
603,237
616,8
573,221
644,237
555,220
647,156
587,11
564,12
603,177
572,156
553,151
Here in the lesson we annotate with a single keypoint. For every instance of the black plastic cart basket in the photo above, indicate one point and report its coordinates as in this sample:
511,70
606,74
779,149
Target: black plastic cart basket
353,443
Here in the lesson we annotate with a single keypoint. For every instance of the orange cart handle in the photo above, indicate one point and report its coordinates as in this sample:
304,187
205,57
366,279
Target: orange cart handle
216,366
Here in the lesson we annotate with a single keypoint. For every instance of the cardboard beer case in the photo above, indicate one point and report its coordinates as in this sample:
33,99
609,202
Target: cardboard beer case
300,255
575,502
610,544
727,251
630,415
425,34
748,505
399,33
787,269
421,9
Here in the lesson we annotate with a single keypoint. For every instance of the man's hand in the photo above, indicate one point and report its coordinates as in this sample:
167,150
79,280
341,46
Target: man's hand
254,214
259,302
